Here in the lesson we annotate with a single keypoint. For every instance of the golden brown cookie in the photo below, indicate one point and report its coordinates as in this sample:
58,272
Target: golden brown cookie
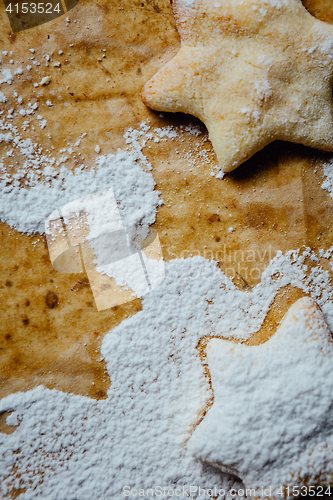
253,72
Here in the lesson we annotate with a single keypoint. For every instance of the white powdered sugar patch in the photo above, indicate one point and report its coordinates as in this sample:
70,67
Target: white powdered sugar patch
328,175
7,76
186,3
128,273
26,209
34,181
69,447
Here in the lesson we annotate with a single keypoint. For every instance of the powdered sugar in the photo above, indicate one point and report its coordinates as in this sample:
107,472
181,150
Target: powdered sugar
128,273
68,446
27,209
187,3
40,183
7,76
328,172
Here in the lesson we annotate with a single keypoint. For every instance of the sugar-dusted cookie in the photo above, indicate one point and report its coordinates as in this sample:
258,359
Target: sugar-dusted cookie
253,71
271,421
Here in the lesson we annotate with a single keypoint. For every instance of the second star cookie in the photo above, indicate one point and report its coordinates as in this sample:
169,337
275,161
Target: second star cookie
271,421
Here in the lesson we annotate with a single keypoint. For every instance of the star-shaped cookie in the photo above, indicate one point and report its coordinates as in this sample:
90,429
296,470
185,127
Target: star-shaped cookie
254,71
271,423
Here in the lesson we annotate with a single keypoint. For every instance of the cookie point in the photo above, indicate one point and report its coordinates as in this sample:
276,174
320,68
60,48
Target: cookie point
305,304
146,94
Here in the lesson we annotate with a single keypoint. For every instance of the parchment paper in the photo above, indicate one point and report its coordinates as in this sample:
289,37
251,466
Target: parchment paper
51,331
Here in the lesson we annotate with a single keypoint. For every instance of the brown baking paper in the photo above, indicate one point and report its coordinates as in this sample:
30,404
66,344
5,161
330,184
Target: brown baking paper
51,329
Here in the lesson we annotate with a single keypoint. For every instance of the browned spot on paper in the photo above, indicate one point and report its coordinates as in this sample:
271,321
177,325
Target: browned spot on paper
51,300
100,395
214,218
83,283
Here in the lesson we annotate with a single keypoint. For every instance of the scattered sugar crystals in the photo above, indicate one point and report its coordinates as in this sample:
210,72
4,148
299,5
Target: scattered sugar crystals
42,180
328,173
7,76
